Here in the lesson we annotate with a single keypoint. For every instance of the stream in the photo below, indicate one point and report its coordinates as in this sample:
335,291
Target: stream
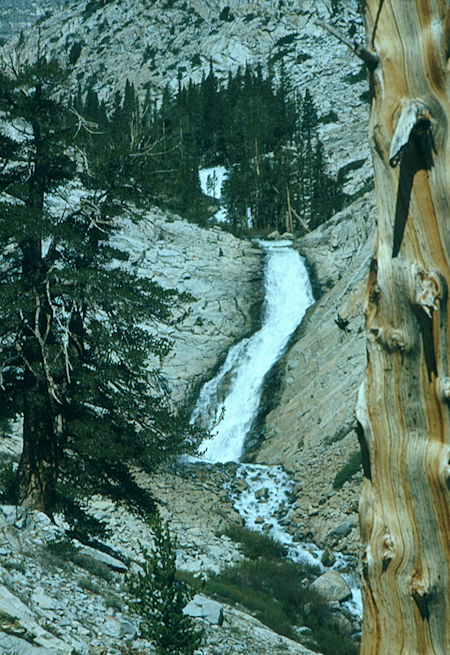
228,404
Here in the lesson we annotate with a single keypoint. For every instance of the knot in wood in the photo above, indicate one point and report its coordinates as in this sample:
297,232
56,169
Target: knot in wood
427,290
420,587
365,565
387,550
390,338
414,118
444,388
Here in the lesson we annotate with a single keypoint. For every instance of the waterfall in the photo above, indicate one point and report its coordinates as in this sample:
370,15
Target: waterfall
228,403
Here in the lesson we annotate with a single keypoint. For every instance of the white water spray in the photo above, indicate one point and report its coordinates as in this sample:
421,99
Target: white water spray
228,404
288,295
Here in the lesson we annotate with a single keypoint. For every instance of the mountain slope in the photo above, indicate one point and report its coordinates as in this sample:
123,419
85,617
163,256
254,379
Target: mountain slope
309,428
166,42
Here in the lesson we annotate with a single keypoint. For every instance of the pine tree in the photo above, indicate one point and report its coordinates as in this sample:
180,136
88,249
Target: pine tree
76,355
160,598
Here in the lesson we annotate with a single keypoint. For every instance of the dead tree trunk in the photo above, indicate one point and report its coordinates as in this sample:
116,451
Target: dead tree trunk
404,405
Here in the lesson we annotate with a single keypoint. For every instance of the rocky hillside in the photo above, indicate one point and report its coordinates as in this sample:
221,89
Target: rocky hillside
49,605
18,16
224,277
171,41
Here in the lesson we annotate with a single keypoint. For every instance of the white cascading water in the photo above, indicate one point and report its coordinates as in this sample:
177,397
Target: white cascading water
228,404
288,294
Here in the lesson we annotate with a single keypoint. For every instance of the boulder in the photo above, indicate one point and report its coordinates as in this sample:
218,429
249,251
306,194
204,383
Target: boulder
113,563
332,586
328,558
205,608
17,620
342,530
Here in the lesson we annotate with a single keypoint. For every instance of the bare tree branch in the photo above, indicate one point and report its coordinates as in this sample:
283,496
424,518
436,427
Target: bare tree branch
369,57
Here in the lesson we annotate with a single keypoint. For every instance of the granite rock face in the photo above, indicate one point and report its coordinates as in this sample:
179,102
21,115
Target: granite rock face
18,16
222,274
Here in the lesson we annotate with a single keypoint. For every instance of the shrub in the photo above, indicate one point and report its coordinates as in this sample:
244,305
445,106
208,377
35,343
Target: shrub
7,478
113,602
255,544
74,52
62,547
15,566
349,469
278,593
88,585
99,569
160,598
330,117
64,550
257,584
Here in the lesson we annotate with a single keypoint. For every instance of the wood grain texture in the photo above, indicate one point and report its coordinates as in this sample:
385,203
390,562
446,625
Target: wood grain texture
404,404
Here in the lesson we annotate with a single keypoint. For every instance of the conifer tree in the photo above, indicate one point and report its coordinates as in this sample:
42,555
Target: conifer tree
160,598
77,362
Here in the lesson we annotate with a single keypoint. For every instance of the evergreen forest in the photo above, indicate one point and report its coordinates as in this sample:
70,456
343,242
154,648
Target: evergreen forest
262,132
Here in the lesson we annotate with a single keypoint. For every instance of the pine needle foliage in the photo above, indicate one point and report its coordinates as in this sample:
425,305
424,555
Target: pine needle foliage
253,123
160,598
79,360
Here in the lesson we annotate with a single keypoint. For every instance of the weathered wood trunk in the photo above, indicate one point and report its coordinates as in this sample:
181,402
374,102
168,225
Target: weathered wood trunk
404,405
38,466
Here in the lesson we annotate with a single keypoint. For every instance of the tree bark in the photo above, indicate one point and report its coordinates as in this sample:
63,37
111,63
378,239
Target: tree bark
404,405
38,466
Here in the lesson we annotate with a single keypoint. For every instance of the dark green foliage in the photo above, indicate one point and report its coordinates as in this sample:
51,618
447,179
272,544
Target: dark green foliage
278,593
140,153
255,544
94,5
352,466
365,96
260,130
77,362
268,140
7,478
160,598
354,78
94,566
330,117
75,52
286,40
336,6
63,548
265,581
15,566
226,15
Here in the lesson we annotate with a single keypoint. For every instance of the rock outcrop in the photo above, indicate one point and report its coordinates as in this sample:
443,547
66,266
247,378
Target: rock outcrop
223,275
18,16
